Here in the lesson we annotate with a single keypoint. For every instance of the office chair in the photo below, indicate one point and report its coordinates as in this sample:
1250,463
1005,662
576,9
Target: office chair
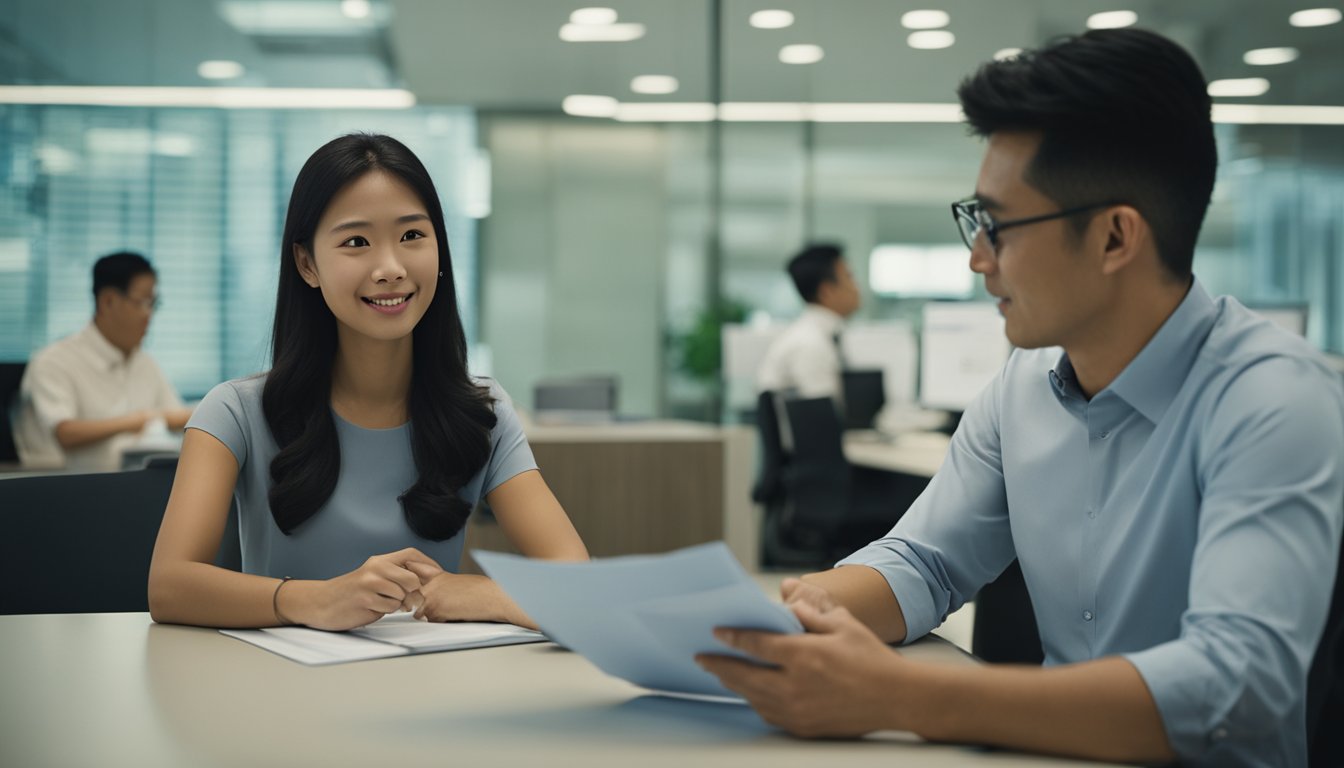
1004,631
87,539
864,397
769,486
11,375
1325,684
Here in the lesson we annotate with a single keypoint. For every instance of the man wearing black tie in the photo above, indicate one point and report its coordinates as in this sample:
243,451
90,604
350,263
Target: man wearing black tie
806,360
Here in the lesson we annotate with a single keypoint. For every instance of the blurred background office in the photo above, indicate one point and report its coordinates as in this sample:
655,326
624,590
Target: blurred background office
603,223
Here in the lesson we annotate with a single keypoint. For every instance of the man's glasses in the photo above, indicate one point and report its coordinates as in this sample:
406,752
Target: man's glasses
971,218
148,305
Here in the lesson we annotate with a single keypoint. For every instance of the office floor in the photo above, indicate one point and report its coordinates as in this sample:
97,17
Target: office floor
957,628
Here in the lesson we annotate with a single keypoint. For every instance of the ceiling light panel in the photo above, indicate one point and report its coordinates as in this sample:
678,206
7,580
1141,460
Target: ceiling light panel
1112,20
803,53
771,19
925,19
603,33
657,85
1316,17
1267,57
931,39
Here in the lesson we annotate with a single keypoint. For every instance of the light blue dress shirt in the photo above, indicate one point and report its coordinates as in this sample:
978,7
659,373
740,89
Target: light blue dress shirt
1187,517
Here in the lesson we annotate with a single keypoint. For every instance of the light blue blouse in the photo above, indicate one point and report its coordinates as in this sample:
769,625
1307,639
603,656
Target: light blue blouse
362,517
1187,517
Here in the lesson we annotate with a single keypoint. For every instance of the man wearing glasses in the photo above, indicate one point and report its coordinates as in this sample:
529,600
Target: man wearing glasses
87,397
1171,484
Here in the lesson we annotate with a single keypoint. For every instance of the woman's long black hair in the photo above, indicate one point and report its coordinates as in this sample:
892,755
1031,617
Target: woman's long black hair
451,416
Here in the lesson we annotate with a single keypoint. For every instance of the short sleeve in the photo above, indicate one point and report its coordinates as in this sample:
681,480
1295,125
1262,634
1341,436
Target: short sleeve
50,391
510,455
222,416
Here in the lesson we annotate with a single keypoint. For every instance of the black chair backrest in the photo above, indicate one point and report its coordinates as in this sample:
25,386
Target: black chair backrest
819,479
1325,683
11,375
864,397
769,483
82,543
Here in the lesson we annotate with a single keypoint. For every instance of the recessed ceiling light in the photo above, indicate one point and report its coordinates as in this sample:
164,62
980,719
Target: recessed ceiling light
584,105
356,9
1239,87
208,96
1264,57
931,39
771,19
803,53
601,33
925,19
594,16
218,69
1112,19
1004,54
1316,17
654,84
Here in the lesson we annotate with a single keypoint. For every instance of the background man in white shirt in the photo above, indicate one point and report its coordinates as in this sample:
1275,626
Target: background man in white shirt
87,397
805,359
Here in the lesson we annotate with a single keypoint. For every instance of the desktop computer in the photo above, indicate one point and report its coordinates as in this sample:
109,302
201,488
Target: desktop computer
864,396
1290,316
962,347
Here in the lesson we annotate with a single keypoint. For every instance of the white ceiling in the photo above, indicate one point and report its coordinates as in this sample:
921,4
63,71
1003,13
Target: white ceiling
506,54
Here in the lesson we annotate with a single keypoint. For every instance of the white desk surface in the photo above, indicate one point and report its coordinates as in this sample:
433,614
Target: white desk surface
911,453
118,690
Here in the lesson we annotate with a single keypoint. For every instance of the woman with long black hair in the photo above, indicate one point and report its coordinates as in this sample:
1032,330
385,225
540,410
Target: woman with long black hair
356,459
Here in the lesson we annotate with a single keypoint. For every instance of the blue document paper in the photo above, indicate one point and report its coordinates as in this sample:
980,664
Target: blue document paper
643,618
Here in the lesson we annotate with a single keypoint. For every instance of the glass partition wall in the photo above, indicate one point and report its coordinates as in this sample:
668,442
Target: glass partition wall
612,236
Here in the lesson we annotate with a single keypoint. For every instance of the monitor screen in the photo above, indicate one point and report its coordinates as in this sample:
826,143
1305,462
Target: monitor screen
864,397
920,271
962,347
1292,317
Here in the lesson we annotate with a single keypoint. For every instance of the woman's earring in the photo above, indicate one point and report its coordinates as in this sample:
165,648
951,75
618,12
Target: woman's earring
440,274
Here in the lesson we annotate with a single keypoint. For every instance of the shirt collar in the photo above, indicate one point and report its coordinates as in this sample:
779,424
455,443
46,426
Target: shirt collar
103,349
1151,380
823,318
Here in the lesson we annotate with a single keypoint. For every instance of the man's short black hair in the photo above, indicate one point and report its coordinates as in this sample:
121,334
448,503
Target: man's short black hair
812,266
1124,117
117,270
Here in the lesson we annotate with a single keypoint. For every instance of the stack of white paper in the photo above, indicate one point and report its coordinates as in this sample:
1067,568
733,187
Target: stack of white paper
397,634
643,618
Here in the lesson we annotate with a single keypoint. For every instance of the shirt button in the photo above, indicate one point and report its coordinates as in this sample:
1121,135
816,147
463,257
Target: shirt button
1220,734
1087,615
1092,513
1103,435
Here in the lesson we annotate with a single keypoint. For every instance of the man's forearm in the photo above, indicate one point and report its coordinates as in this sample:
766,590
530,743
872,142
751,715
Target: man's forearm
77,433
1099,709
867,595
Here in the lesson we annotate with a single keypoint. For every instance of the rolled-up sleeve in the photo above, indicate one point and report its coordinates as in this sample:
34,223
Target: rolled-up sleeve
955,537
1268,537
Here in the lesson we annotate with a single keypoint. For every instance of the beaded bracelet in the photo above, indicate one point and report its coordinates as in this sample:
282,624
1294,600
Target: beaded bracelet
275,602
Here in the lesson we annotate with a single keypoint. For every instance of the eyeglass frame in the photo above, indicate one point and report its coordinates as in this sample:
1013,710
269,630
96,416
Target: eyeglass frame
152,304
962,209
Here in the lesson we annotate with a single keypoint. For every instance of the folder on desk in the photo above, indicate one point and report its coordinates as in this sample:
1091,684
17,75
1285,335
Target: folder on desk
643,618
396,634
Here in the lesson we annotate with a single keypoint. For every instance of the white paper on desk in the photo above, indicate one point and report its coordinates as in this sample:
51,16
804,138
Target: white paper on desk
642,618
396,634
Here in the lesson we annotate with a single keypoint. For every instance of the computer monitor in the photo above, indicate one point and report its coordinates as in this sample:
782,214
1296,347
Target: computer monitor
590,398
962,347
911,271
1292,317
864,395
